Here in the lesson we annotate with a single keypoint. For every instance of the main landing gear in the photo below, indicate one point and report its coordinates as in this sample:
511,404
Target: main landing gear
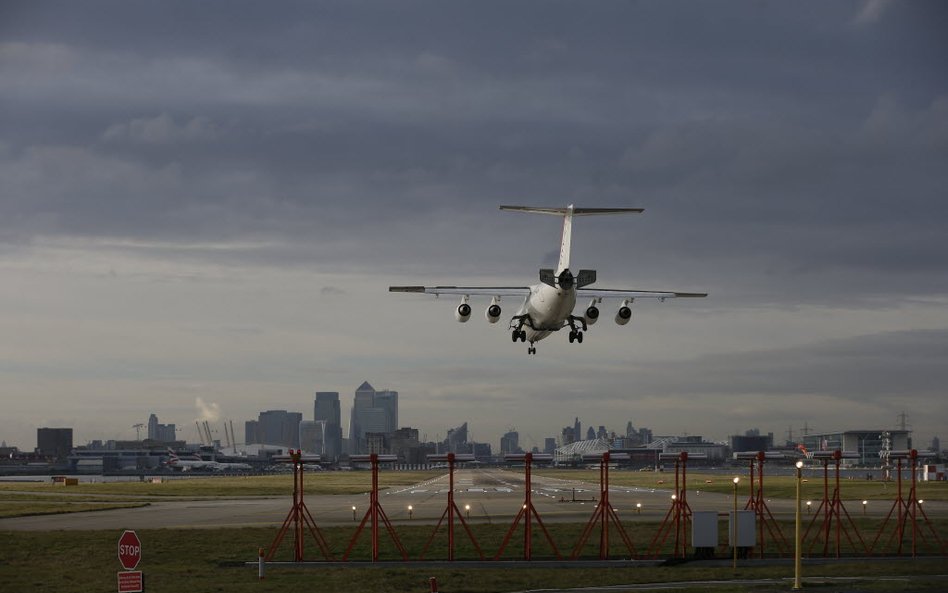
518,334
575,335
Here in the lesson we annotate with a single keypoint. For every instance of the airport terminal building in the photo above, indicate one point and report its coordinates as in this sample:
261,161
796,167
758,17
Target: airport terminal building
867,443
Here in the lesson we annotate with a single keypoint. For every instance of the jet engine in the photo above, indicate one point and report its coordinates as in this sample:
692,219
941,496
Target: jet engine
493,312
463,312
624,314
592,313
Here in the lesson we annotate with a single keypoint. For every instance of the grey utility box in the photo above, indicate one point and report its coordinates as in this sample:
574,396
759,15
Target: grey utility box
704,529
746,529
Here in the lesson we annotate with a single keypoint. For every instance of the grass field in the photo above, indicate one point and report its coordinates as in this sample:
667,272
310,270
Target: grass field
45,507
774,486
210,560
354,482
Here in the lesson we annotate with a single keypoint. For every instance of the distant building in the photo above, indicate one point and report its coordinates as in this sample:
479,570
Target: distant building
549,445
510,443
54,442
312,437
481,451
869,444
456,441
372,411
748,442
590,434
696,444
376,442
251,434
326,408
279,427
163,433
568,435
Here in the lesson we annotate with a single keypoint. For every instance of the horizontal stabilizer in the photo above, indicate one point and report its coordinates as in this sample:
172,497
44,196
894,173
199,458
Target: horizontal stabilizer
575,211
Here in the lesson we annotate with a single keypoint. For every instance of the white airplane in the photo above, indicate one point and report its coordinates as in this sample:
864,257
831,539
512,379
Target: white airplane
195,462
548,306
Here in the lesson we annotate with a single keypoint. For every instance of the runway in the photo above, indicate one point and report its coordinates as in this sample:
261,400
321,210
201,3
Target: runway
493,495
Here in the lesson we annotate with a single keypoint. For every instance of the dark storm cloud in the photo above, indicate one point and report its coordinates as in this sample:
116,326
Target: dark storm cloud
781,147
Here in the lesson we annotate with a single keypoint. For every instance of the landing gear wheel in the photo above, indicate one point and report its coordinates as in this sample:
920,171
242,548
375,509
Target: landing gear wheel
579,337
514,336
572,337
531,350
523,335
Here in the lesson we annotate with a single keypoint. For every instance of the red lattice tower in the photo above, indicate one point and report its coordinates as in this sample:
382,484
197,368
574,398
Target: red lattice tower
604,513
299,516
451,511
375,510
833,508
527,510
908,509
757,502
678,517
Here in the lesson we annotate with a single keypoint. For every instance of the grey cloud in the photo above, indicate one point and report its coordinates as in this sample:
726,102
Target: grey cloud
161,129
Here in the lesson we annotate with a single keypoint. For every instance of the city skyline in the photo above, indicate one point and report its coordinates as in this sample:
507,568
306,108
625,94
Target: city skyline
205,226
281,434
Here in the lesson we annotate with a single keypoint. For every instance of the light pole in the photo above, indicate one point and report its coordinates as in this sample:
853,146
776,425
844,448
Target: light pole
809,507
734,535
864,503
638,508
467,510
798,547
410,511
353,512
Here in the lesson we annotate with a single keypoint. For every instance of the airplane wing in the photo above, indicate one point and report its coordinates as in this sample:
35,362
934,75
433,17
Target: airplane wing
607,293
493,291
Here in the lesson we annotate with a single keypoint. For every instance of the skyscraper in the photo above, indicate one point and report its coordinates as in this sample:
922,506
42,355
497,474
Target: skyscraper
372,412
279,427
326,409
510,442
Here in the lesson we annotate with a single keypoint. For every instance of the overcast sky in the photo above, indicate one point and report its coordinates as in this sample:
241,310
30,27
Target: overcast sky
210,199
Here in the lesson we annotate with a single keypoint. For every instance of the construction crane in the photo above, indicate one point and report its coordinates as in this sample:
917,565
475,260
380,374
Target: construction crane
138,431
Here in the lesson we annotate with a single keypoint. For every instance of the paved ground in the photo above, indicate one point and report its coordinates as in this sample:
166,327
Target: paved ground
494,496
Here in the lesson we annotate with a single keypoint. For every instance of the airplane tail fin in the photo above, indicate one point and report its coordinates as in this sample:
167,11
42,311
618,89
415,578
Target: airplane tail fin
568,213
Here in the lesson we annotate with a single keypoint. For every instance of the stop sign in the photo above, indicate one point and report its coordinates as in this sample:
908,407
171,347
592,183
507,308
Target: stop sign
129,550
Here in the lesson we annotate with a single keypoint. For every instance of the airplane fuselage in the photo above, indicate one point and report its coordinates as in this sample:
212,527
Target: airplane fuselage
548,309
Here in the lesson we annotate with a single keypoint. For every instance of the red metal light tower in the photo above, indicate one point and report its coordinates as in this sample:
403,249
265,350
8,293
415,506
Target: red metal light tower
907,510
299,516
679,513
452,509
604,511
833,508
527,509
375,509
757,502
